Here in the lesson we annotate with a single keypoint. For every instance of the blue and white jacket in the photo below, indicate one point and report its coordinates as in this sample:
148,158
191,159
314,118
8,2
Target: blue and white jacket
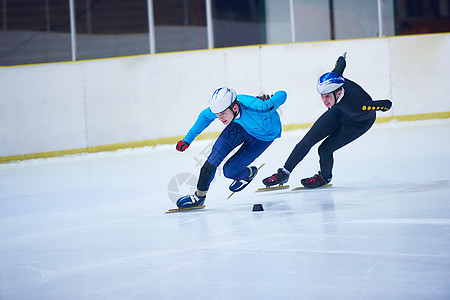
259,118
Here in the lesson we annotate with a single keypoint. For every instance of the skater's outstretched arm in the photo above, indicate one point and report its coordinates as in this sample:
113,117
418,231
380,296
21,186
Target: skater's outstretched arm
204,119
381,105
266,104
340,65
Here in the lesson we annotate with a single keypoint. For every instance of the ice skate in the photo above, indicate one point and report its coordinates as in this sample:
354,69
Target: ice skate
279,178
190,201
239,185
315,181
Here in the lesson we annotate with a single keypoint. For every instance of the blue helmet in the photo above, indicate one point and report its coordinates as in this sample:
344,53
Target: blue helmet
329,82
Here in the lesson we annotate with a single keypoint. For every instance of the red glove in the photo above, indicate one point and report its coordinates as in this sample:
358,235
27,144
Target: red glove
182,145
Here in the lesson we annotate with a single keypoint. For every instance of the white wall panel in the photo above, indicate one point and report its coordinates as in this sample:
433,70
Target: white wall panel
420,72
41,109
63,106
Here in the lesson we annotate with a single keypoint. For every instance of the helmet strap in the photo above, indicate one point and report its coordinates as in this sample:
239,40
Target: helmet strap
335,95
235,113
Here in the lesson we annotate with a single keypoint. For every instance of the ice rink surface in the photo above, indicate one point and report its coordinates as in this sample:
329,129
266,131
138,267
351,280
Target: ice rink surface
93,226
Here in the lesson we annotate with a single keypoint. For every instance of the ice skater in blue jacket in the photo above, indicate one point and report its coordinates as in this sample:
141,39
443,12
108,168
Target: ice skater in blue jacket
251,122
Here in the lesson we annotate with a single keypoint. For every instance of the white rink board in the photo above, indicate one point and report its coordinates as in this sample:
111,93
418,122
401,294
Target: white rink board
419,71
42,108
53,107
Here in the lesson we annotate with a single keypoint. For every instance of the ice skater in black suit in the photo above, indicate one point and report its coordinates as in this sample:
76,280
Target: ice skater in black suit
350,114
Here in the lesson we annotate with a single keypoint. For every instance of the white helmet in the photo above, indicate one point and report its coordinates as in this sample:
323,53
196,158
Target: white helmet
221,99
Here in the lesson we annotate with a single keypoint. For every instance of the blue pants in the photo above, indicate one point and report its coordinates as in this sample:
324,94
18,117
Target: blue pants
236,167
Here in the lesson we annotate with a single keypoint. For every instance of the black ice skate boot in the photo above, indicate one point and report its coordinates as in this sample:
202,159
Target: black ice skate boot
281,177
315,181
239,185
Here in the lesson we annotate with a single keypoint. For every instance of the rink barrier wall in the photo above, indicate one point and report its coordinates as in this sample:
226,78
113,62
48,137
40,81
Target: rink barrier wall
203,136
56,109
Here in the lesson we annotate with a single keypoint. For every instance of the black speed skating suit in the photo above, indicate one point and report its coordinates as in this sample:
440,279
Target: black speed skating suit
345,121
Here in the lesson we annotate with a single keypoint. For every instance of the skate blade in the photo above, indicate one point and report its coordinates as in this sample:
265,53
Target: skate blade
306,188
274,188
184,209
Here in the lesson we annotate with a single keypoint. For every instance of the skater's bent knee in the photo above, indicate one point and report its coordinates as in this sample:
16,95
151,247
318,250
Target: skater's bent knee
324,151
228,171
231,171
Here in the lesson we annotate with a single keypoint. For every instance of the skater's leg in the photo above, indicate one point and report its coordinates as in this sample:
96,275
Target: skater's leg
231,137
328,123
345,135
237,166
207,173
227,141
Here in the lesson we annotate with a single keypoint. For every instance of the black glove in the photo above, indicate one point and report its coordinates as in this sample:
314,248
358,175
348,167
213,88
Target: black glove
182,145
264,97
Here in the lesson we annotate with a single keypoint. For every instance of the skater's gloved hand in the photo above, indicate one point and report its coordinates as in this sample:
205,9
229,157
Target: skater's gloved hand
182,145
385,105
264,97
340,64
